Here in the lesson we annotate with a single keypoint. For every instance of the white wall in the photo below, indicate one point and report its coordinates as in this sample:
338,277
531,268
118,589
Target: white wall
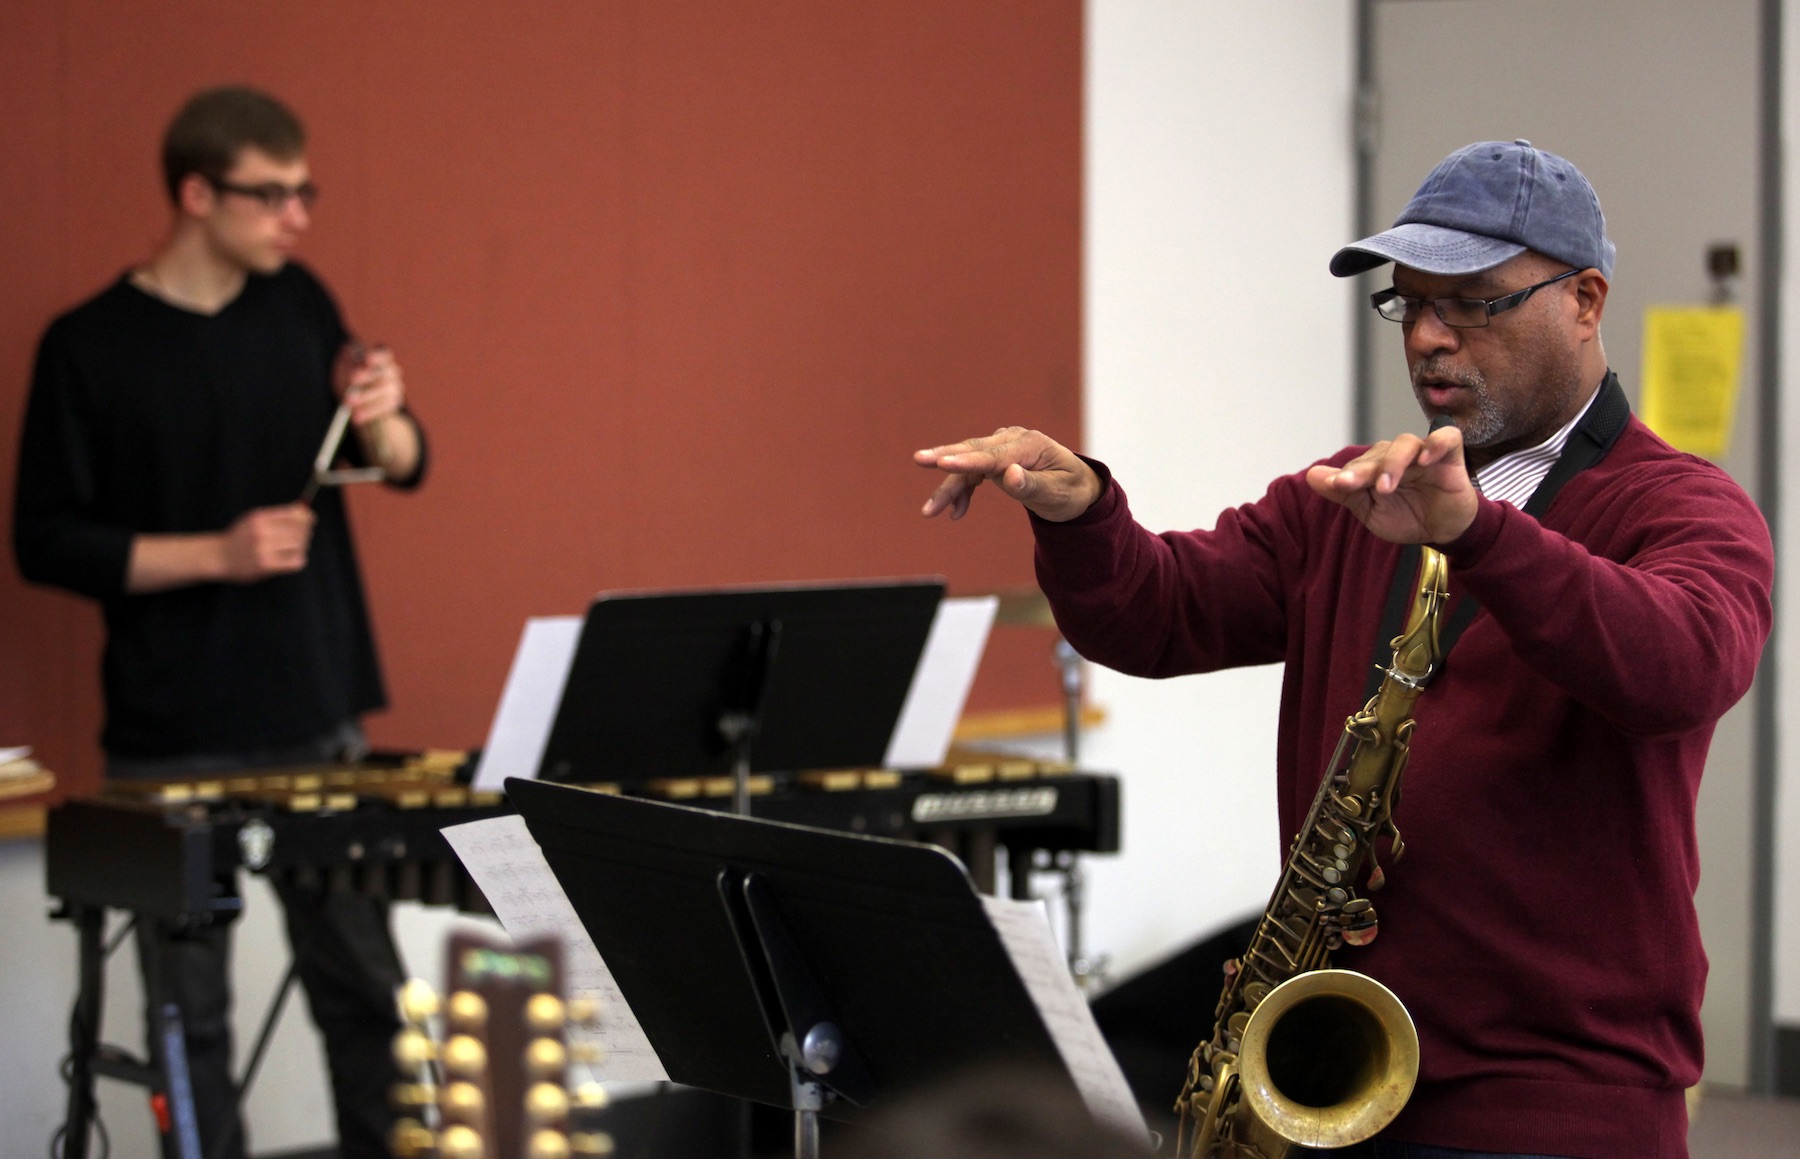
1787,583
1219,183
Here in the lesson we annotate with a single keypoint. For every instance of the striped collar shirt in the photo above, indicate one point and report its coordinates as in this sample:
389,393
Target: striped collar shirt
1512,478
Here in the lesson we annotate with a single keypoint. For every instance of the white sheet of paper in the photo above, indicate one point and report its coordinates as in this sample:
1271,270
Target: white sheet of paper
507,864
940,684
534,686
7,756
1024,930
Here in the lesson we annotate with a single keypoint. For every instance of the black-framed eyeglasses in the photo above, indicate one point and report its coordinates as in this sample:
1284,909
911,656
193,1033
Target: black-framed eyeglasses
272,195
1464,313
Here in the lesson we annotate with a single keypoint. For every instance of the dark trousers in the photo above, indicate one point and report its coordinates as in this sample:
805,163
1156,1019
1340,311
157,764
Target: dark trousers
349,970
344,954
189,968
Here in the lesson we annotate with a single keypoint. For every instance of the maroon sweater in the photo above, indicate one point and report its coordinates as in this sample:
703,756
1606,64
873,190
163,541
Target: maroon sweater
1541,928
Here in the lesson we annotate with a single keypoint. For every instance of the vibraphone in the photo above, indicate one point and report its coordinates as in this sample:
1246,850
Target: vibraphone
171,850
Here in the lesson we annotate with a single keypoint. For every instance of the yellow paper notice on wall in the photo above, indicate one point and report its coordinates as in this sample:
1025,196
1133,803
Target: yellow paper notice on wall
1692,355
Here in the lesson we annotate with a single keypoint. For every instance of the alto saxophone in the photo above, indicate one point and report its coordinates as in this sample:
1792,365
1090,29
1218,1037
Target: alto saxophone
1302,1054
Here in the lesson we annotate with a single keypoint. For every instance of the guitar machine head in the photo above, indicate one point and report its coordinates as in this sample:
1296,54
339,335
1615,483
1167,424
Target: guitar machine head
487,1070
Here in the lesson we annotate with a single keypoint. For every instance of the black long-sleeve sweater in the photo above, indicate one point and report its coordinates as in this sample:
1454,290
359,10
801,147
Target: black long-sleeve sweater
147,418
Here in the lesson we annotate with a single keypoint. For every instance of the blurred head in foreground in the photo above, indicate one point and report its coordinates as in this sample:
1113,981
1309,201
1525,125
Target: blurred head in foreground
1009,1113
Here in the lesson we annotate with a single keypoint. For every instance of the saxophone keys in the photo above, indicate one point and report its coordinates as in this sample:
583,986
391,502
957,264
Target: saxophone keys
1359,905
1377,878
1361,935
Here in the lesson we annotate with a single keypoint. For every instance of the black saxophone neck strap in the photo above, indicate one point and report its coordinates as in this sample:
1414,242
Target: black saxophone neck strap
1588,443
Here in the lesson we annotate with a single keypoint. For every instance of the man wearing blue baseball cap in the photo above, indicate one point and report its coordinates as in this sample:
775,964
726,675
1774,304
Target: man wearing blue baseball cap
1610,597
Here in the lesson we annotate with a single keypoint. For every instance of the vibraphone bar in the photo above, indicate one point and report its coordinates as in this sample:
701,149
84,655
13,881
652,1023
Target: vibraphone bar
173,848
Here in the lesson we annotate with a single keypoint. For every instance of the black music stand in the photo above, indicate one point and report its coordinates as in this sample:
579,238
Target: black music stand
791,966
736,680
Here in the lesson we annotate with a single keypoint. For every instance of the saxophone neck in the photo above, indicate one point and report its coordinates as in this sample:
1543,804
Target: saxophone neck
1416,650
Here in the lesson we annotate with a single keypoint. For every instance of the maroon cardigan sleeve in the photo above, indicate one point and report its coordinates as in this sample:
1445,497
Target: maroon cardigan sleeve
1179,602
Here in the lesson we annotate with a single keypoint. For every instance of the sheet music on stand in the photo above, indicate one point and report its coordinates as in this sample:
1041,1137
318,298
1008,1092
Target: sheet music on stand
1024,929
912,1017
507,864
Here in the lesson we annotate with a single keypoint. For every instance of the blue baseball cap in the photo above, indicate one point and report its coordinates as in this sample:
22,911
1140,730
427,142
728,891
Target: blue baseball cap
1484,204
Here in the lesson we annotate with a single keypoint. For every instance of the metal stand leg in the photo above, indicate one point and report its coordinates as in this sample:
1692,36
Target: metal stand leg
809,1099
1087,971
1070,664
84,1029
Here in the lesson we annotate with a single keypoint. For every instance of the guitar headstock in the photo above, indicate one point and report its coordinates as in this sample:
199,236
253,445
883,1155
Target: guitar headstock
487,1070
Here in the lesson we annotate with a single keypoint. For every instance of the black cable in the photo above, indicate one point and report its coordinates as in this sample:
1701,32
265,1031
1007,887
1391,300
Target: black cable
65,1070
57,1136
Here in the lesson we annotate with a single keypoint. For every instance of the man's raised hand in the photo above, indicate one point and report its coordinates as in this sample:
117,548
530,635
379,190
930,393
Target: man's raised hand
1049,479
1405,490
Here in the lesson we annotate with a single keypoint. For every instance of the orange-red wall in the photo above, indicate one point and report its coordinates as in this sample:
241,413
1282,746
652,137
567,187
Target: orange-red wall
677,286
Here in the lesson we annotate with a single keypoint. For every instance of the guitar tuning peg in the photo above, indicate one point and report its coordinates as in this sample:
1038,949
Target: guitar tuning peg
459,1142
546,1103
464,1056
548,1144
412,1049
410,1139
546,1058
590,1096
462,1102
406,1095
467,1011
597,1144
584,1011
544,1013
418,1001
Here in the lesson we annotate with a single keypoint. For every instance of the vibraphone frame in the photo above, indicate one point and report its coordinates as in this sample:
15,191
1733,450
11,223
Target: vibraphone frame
378,830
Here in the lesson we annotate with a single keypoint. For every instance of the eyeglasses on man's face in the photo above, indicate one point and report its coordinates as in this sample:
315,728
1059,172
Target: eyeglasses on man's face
271,195
1463,313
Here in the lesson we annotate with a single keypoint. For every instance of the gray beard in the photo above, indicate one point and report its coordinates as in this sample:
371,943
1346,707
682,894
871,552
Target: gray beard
1490,423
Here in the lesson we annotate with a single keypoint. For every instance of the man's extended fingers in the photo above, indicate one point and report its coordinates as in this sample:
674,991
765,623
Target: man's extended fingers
952,494
1026,465
986,454
1380,468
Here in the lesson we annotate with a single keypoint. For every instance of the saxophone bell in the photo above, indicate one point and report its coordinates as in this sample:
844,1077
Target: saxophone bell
1328,1059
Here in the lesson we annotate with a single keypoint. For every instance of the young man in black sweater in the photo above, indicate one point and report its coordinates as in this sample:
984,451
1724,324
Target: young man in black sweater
170,433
